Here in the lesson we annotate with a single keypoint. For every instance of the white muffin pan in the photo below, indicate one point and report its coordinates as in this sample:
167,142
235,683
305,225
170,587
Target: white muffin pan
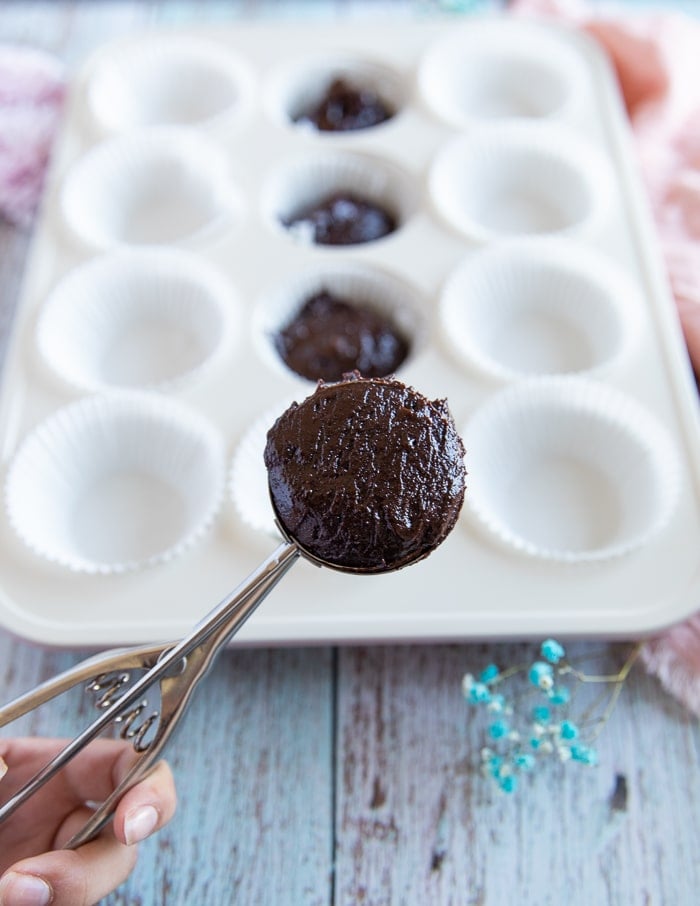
142,375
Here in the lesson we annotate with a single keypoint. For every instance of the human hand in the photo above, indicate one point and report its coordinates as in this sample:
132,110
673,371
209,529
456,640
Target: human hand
34,870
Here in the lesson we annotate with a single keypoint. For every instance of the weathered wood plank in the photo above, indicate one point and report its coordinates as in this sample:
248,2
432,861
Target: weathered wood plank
417,824
253,765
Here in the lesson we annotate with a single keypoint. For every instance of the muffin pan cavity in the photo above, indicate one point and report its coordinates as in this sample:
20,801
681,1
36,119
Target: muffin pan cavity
150,188
175,81
572,472
397,330
501,71
247,485
523,309
338,199
520,180
493,236
155,319
112,483
333,96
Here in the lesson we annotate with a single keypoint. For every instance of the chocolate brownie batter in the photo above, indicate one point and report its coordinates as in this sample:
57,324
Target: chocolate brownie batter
366,475
344,108
329,337
342,219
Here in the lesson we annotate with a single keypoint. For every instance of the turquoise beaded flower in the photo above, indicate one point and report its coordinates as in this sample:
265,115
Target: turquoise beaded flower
532,722
552,651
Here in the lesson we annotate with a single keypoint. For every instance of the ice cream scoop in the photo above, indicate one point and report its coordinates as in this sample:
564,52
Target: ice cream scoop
365,476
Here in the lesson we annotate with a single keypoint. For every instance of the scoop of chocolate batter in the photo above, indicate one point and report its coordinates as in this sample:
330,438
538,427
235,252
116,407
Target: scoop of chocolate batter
342,219
344,108
366,475
330,336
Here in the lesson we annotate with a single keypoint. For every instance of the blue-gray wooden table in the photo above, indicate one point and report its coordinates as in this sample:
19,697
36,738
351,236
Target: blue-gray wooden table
346,775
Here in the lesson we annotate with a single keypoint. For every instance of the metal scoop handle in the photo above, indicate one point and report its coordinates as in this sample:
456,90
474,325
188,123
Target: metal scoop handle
176,667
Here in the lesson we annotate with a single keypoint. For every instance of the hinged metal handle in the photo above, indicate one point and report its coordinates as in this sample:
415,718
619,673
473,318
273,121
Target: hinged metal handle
177,668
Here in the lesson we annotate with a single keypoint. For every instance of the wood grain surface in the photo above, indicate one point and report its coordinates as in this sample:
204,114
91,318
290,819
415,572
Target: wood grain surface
349,776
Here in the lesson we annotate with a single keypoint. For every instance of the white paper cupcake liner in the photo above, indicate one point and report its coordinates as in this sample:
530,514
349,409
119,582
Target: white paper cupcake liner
146,319
154,187
526,309
566,470
176,81
311,178
114,483
491,71
361,284
296,87
247,485
520,179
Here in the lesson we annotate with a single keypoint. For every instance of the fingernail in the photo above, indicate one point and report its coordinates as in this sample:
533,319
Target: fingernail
140,823
17,889
3,767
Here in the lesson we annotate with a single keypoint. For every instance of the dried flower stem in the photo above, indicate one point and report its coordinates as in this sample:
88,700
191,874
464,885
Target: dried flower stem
618,681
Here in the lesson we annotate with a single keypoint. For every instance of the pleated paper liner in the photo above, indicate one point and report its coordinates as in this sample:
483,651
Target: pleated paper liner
152,187
356,283
526,308
247,482
506,70
309,179
569,470
117,482
168,81
520,179
148,319
295,88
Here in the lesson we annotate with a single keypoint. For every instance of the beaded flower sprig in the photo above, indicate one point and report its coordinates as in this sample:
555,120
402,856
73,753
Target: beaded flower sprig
537,722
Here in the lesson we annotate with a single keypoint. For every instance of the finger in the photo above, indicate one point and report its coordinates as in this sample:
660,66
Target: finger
28,753
90,776
80,877
146,807
98,769
143,809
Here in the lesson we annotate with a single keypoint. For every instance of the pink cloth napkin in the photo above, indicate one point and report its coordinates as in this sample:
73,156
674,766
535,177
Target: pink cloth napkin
657,58
31,96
